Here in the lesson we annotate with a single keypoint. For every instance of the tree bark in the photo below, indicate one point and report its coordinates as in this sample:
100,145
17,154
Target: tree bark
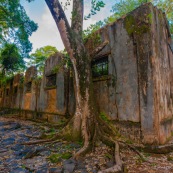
84,117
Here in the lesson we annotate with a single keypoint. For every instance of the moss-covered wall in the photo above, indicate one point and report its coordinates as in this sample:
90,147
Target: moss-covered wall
140,61
53,99
137,91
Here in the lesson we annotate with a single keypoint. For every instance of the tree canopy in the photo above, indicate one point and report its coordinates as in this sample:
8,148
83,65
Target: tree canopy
40,55
123,7
10,59
86,122
15,26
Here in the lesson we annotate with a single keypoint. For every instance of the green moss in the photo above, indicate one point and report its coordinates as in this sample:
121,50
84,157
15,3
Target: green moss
130,24
128,141
96,39
108,156
66,155
104,117
54,158
138,27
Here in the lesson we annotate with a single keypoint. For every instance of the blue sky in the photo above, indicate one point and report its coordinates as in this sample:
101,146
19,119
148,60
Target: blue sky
47,33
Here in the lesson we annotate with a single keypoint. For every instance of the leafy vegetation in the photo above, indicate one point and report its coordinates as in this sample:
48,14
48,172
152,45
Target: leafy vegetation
15,29
15,26
55,158
10,59
39,57
104,117
11,62
122,7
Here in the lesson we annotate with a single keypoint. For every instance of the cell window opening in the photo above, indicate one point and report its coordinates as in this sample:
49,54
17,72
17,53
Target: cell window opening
100,67
51,80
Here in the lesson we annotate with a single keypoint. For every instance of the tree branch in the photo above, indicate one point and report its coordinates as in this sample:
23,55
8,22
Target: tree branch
62,23
77,16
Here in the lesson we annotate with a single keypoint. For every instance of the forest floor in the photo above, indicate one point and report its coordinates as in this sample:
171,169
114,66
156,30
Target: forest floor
56,157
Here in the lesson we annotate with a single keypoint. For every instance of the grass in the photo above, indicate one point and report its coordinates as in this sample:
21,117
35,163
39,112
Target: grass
55,158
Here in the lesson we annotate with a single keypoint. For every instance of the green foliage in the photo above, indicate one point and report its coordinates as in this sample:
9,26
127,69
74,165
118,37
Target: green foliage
15,26
66,155
39,57
108,155
104,117
128,141
10,59
90,33
55,158
132,26
166,6
95,7
122,7
4,79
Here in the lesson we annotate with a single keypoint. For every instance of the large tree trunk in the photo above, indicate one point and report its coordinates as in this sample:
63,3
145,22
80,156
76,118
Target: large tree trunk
83,122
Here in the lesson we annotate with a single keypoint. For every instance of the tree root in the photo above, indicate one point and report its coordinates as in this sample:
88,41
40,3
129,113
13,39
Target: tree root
161,149
34,137
57,136
135,150
119,166
82,151
33,153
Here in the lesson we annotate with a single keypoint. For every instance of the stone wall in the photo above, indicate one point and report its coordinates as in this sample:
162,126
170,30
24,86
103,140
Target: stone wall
53,91
138,88
136,93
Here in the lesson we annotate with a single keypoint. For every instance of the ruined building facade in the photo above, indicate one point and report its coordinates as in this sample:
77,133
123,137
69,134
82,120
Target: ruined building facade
132,76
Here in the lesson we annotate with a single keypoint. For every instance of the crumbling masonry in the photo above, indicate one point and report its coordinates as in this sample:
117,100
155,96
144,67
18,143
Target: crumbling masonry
132,75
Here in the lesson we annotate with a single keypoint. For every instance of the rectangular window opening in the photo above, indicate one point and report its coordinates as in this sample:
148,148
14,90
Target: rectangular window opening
51,81
15,90
100,67
7,92
28,87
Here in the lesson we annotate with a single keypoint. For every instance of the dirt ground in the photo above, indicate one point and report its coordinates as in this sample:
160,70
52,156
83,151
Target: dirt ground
56,156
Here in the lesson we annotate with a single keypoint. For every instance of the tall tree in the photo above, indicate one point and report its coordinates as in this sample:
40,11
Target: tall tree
15,26
39,57
85,122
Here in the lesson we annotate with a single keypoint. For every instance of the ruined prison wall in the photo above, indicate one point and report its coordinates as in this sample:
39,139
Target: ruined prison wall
35,98
138,88
135,90
53,98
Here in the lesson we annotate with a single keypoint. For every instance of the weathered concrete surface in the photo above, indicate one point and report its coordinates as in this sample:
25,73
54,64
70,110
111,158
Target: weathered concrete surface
121,92
17,94
54,99
140,72
137,90
162,76
29,96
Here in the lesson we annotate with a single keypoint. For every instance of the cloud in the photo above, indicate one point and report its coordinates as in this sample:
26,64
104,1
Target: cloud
47,33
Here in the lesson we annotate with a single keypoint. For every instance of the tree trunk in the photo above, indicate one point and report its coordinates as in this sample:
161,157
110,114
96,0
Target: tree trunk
83,122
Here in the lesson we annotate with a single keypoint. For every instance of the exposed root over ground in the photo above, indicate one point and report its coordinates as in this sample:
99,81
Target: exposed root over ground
99,160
